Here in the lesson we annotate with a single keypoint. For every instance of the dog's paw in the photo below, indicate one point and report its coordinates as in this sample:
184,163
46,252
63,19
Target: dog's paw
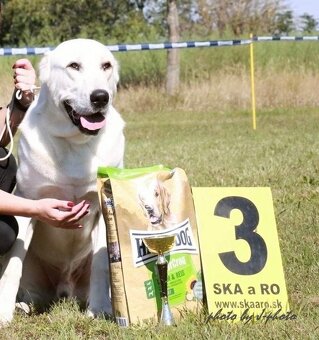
90,314
23,308
99,314
6,316
99,306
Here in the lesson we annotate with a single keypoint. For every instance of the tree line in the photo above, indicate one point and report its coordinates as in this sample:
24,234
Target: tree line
48,22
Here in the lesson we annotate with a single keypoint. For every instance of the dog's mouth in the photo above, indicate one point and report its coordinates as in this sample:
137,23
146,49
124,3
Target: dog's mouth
88,124
155,220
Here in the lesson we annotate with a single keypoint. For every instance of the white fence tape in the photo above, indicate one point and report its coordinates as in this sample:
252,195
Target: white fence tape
160,46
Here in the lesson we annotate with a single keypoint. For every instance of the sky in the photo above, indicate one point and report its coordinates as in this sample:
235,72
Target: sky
300,7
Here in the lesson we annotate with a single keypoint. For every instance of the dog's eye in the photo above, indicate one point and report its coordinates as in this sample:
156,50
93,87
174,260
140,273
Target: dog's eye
106,66
75,66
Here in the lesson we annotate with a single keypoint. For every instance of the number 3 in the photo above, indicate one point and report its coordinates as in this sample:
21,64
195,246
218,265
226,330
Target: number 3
244,231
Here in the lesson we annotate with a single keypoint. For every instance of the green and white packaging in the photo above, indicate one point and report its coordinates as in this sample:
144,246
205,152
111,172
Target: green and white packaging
143,202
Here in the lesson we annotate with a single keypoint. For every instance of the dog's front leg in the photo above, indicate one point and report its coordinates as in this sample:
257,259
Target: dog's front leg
99,293
12,269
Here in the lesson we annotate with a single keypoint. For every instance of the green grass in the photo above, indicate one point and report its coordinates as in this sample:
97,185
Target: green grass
222,149
218,147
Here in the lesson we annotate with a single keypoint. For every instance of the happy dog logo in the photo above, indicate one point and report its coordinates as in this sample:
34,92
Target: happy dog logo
184,242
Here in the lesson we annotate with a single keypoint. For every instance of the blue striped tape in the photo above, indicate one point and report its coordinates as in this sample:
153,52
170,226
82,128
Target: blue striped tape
166,45
24,51
161,46
287,38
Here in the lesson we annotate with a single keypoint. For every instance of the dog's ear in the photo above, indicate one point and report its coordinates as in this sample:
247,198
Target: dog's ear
165,199
44,67
165,175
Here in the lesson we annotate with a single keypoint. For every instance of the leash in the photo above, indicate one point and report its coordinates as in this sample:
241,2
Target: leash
7,122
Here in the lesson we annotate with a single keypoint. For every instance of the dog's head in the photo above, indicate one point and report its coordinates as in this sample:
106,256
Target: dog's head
154,199
81,76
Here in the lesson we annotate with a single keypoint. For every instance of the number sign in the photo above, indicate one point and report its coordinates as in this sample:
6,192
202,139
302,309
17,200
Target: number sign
240,252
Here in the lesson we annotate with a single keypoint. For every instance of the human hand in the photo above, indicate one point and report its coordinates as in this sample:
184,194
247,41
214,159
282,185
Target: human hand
61,214
24,79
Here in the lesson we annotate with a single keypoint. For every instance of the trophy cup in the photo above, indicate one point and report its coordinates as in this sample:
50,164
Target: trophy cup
160,245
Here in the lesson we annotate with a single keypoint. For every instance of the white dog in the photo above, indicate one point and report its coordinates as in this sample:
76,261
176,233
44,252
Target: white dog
67,133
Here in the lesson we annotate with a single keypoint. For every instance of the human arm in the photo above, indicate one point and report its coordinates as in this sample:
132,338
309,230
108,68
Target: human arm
58,213
24,79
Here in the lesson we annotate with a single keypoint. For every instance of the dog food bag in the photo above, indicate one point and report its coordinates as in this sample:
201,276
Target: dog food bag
146,202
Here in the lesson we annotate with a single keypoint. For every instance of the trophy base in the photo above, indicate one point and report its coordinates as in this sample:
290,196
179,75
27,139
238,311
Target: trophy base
166,315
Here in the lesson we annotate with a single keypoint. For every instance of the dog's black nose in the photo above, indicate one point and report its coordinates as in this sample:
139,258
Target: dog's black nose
99,98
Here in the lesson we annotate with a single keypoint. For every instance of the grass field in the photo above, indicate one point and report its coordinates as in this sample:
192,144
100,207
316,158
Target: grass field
221,149
207,131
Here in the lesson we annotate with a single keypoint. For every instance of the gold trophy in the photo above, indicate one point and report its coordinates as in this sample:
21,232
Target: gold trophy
160,245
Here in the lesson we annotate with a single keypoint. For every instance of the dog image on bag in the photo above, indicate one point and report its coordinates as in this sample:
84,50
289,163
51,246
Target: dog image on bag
155,200
70,129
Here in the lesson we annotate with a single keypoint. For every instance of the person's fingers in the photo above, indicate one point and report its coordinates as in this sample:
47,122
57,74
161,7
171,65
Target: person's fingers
75,209
23,83
24,72
23,86
21,71
74,213
24,78
82,212
72,223
64,205
75,216
64,214
23,63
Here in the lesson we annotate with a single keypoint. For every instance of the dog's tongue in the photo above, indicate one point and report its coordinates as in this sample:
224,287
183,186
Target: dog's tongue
93,122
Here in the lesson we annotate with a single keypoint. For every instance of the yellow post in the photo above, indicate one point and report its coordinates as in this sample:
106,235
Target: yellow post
252,80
